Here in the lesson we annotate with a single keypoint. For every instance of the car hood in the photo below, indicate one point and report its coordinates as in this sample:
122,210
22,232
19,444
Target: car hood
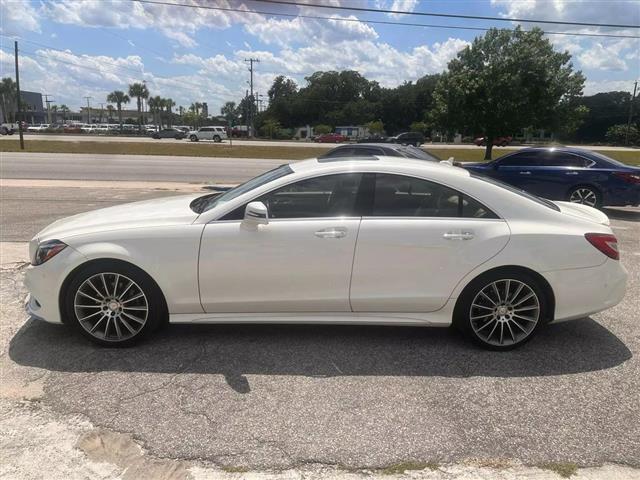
148,213
583,211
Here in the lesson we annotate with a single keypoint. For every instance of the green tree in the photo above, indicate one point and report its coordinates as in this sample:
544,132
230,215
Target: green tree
64,110
230,112
321,129
110,111
139,91
168,105
8,94
504,82
421,127
605,110
156,105
375,127
617,134
119,97
270,127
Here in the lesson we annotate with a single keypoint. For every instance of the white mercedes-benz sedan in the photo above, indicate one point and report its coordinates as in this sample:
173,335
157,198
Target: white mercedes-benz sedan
371,240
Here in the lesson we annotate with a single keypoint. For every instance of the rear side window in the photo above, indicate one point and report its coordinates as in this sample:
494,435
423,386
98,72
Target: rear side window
563,159
401,196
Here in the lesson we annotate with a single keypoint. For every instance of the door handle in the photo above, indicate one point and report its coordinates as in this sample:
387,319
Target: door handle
525,173
571,173
332,232
458,235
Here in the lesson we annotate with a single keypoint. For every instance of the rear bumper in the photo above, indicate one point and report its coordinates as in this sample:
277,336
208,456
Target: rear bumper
584,291
629,196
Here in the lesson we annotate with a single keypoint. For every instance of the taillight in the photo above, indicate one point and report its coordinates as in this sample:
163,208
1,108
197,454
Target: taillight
629,177
605,242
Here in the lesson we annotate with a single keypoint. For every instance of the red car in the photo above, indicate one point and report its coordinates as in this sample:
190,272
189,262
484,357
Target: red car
330,138
498,141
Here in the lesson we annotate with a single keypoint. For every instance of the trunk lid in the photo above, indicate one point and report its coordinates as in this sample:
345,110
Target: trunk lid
583,212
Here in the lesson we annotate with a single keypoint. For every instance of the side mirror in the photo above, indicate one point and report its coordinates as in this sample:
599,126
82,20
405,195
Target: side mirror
255,214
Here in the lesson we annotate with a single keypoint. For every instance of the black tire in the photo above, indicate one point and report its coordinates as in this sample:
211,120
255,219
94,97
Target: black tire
157,137
105,275
217,139
584,195
193,138
515,329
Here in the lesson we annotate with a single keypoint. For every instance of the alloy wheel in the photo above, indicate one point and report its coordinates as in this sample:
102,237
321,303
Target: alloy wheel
111,307
584,196
504,312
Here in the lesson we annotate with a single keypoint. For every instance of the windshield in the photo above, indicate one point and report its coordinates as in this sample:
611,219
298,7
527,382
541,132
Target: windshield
202,204
522,193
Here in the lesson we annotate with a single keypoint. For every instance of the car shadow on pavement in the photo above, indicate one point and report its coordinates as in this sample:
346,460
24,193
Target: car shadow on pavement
321,351
630,215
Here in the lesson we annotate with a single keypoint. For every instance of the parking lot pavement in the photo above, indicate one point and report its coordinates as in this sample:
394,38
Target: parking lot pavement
277,397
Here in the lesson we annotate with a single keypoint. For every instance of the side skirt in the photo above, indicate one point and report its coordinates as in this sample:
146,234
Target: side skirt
439,318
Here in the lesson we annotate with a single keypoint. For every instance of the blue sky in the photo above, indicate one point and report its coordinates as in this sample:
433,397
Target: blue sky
76,48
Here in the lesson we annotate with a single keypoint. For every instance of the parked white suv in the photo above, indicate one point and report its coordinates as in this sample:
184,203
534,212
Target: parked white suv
217,134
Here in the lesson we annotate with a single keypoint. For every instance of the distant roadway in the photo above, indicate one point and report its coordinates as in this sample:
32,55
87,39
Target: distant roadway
149,168
261,143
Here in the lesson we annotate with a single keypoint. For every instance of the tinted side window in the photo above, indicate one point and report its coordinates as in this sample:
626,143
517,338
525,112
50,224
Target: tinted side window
561,159
519,159
327,196
400,196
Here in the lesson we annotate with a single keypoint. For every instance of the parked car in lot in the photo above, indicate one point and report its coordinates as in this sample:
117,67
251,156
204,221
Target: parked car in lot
381,240
41,127
8,128
408,138
498,141
563,173
330,138
387,149
169,133
217,134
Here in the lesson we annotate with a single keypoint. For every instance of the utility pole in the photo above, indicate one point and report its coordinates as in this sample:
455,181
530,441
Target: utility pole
48,102
633,97
101,111
19,98
88,110
251,61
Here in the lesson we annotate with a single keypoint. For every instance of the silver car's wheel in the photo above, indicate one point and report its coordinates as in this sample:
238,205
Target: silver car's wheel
111,307
504,312
584,196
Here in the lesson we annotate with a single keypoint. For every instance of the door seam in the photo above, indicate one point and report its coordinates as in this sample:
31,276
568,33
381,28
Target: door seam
353,261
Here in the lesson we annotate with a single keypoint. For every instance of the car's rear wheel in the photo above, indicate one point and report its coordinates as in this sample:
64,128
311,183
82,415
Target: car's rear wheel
501,310
217,139
585,195
114,303
193,138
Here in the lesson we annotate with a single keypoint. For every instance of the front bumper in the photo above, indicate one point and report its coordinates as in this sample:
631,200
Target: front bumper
584,291
45,281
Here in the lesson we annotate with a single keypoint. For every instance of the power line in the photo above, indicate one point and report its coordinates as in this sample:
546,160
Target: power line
447,15
375,22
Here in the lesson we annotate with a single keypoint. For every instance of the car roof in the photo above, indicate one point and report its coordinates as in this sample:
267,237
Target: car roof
555,148
403,166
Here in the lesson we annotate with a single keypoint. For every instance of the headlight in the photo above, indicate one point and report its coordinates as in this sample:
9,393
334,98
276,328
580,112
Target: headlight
47,250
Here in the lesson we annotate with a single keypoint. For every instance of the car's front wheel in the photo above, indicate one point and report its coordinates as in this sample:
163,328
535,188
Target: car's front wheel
585,195
217,139
114,303
501,310
193,138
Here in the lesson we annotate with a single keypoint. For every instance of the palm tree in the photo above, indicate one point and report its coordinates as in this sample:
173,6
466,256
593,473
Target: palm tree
54,111
119,97
169,104
64,110
8,93
155,107
110,111
140,91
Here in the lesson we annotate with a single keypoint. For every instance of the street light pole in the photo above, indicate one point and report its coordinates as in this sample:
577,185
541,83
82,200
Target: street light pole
18,97
88,110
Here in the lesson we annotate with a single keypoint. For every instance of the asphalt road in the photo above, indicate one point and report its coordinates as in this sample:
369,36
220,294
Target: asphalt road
284,143
281,396
153,168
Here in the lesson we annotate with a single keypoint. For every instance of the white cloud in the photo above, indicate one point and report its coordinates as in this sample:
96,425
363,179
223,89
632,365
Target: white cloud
403,6
592,87
599,57
17,16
